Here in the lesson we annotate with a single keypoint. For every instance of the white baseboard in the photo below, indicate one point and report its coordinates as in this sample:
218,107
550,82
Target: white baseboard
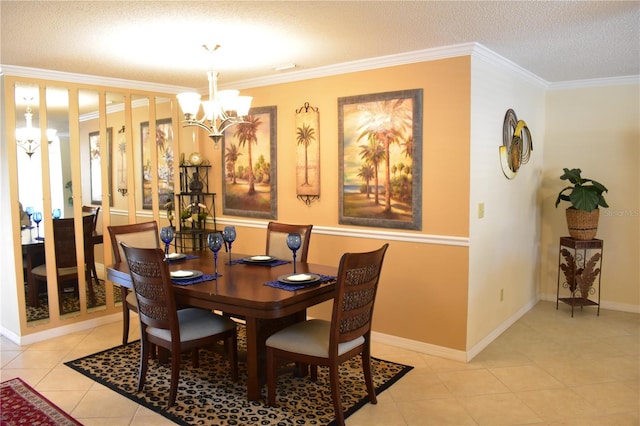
422,347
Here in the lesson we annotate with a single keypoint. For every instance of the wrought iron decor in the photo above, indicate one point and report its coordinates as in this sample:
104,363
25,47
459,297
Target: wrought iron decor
308,154
516,144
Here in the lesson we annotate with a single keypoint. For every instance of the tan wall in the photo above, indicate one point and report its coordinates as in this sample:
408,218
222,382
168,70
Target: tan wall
597,130
423,291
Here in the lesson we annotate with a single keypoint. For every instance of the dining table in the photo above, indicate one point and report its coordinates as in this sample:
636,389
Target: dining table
33,255
250,290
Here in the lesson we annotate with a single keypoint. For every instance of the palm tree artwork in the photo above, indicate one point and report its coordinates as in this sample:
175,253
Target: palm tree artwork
248,175
378,170
304,136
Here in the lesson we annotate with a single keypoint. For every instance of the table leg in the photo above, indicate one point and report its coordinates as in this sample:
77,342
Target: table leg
253,369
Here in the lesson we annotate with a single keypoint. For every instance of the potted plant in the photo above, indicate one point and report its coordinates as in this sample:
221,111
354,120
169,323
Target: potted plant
585,195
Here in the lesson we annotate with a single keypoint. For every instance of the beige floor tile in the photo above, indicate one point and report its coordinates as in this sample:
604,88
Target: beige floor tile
7,356
381,414
557,404
524,378
29,375
499,409
417,386
104,404
117,421
62,378
436,412
43,359
67,400
623,419
472,382
610,398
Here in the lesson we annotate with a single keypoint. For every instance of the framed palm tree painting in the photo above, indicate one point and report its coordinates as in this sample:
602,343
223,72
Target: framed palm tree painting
249,172
380,155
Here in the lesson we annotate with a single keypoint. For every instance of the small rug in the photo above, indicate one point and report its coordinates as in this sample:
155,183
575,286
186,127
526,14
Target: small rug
207,396
23,405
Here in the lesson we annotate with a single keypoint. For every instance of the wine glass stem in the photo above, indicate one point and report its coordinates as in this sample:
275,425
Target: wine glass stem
229,253
294,262
215,264
166,249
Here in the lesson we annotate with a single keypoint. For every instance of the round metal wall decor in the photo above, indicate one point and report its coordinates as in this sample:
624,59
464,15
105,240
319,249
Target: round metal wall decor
516,144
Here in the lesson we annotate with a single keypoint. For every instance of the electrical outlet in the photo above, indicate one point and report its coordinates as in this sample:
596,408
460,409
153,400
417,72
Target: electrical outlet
480,210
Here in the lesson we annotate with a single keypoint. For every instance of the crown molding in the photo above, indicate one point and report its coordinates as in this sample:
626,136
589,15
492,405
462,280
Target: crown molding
595,82
483,53
89,79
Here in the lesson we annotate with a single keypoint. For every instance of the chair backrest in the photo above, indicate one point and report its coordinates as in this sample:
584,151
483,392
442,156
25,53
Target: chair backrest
140,235
355,294
277,240
152,285
94,211
64,240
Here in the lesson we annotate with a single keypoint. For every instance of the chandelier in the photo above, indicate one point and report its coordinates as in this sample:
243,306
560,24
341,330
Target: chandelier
223,109
28,137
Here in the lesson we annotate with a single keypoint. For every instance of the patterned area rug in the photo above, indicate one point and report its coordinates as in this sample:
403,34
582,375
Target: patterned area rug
22,405
207,396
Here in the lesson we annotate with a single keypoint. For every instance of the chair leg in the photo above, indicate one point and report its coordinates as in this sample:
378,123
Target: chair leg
335,394
175,376
125,315
195,358
271,378
144,363
368,378
314,372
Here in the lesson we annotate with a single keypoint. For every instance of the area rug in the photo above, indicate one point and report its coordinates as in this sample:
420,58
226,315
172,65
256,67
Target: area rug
207,396
22,405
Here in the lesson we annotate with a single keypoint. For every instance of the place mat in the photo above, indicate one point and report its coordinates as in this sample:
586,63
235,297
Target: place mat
294,287
186,257
201,278
274,262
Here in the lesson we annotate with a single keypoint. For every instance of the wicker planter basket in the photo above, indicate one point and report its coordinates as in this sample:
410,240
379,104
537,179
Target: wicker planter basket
582,225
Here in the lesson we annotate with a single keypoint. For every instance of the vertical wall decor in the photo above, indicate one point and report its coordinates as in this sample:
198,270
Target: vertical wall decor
95,164
249,174
308,154
516,144
380,157
164,145
122,162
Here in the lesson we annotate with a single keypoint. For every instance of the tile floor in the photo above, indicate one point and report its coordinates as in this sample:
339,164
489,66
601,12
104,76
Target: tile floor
547,369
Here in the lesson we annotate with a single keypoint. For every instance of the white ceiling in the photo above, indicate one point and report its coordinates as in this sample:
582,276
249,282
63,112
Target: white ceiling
160,42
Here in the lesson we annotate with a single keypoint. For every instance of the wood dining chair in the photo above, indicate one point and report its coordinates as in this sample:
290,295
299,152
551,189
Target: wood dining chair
277,240
90,255
141,235
162,324
330,343
64,242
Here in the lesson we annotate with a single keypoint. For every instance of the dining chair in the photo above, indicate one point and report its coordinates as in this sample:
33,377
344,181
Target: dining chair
163,325
277,240
66,261
90,255
330,343
141,235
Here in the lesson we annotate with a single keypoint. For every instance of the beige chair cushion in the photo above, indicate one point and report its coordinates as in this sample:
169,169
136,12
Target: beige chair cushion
41,271
195,324
131,298
278,246
310,338
146,239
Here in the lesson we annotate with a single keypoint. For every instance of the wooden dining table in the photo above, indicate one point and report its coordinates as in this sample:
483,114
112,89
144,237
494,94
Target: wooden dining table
240,291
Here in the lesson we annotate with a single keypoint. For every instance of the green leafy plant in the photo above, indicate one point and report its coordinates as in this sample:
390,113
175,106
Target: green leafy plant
584,194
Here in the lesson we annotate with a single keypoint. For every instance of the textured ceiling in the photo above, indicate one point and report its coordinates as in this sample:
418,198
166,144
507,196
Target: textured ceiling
160,42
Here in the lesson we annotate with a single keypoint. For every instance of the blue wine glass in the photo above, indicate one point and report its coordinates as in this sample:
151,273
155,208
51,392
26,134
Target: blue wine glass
215,241
294,241
56,213
229,236
166,235
29,211
37,218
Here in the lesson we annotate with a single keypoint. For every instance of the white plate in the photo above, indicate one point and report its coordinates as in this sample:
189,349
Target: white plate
259,259
175,256
182,274
300,277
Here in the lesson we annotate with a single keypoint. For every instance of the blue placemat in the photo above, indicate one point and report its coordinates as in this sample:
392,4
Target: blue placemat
201,278
275,262
186,257
294,287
